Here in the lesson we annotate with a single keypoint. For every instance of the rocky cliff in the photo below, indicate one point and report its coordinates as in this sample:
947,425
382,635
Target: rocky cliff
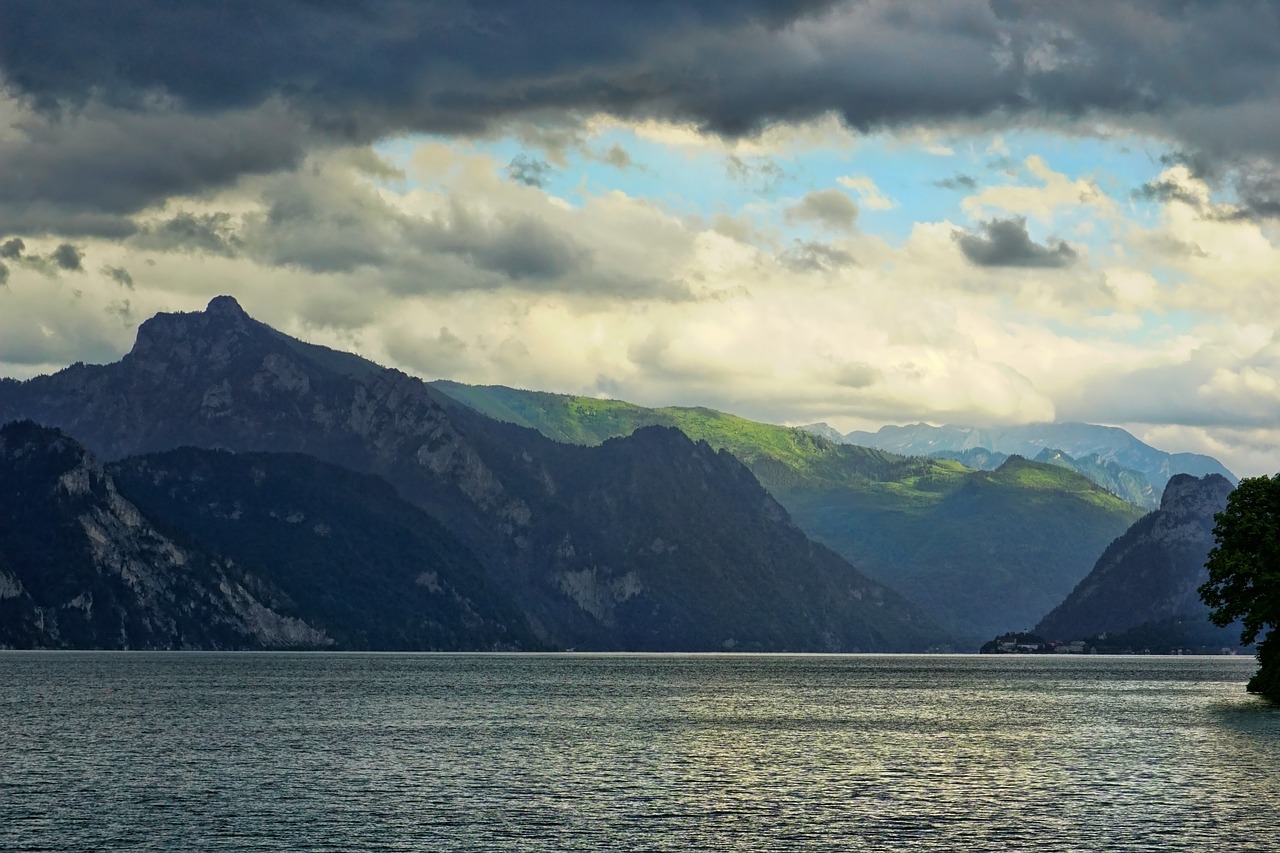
81,567
1151,573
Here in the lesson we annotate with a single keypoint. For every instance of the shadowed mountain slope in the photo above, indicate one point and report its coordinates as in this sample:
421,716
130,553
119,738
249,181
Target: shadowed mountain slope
1151,573
543,518
81,567
977,550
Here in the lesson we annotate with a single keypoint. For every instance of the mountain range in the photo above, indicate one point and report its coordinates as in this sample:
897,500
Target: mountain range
978,550
1091,443
365,508
651,541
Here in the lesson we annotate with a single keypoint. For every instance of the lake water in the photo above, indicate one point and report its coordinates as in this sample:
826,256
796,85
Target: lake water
177,751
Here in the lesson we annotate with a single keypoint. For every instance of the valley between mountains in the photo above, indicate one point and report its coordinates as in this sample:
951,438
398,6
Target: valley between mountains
226,486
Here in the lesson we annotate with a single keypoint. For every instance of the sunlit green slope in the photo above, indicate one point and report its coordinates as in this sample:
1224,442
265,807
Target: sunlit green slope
981,551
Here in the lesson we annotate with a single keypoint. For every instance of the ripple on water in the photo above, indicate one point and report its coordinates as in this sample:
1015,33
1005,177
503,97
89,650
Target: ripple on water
262,752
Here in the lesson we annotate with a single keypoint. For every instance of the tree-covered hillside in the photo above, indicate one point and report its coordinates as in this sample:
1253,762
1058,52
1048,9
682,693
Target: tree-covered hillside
978,550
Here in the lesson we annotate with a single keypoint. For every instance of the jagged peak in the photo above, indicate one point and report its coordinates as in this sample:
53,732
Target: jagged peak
186,334
225,306
1202,495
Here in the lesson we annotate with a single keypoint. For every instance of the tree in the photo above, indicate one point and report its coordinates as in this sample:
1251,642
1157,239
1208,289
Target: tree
1244,574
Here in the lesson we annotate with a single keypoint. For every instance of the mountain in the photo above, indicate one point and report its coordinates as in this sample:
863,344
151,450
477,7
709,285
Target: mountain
977,458
82,567
1125,483
1128,485
649,542
1149,576
1078,440
977,550
348,554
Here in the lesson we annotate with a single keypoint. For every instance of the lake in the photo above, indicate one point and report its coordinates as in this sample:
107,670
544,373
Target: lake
423,752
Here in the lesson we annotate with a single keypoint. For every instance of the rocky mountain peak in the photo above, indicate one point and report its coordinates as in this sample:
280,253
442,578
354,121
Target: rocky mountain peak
225,306
212,336
1201,497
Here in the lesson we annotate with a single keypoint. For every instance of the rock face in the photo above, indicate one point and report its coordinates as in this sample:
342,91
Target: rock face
81,567
343,549
1152,572
570,532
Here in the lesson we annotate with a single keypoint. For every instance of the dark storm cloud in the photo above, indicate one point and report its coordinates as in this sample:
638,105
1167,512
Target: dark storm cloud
1257,190
4,275
86,171
440,64
1006,243
138,100
12,248
67,257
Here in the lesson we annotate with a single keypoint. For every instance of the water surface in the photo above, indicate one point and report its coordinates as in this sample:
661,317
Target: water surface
255,752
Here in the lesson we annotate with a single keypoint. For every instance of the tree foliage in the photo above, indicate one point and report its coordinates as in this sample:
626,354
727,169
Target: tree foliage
1244,573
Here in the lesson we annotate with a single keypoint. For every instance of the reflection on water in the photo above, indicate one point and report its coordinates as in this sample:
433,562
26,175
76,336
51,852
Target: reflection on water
643,752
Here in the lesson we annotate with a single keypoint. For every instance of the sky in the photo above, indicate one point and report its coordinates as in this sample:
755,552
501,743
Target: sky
860,213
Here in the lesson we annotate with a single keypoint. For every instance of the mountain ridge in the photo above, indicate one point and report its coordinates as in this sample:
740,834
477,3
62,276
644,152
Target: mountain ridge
1108,443
898,518
540,516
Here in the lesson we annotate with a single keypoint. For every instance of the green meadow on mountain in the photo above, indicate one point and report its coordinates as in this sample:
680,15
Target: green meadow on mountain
978,550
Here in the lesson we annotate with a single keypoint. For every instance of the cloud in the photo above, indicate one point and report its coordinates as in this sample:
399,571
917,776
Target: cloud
1006,243
1163,190
185,231
4,275
830,209
119,275
113,111
12,248
868,193
959,182
857,374
760,174
530,171
67,257
519,247
86,171
812,256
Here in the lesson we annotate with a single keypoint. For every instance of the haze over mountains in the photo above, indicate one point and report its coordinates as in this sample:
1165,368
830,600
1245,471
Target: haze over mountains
1099,445
452,523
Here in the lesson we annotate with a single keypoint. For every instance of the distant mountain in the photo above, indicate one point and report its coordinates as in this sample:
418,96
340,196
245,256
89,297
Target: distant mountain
976,550
1125,483
977,458
1149,576
82,567
1078,440
648,542
828,432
